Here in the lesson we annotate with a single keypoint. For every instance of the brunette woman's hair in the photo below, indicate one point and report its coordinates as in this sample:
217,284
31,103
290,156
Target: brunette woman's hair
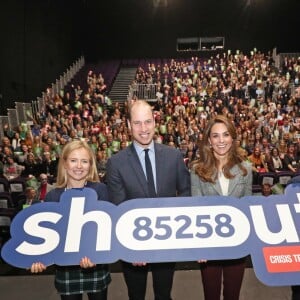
207,165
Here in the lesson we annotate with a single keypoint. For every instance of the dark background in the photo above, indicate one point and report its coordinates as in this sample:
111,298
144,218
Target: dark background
40,39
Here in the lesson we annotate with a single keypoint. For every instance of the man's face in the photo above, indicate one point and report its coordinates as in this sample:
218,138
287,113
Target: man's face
31,193
43,179
266,190
142,125
265,142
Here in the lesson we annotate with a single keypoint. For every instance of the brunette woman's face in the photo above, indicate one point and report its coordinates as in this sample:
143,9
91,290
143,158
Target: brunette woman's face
220,139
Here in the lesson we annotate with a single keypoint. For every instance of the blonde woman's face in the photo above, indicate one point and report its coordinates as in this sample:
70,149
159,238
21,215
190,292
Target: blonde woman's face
77,166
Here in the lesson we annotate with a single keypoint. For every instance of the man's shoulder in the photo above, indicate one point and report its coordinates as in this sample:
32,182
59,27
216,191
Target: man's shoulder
159,146
163,147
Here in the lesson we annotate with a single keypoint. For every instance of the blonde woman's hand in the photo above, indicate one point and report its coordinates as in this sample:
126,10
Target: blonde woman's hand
86,263
37,267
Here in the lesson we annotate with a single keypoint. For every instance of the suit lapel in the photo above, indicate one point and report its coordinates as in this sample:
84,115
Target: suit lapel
159,163
137,168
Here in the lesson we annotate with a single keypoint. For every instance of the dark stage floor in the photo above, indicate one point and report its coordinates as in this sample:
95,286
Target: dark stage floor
16,284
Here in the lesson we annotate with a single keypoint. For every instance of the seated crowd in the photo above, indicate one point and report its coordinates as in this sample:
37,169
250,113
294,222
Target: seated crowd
249,90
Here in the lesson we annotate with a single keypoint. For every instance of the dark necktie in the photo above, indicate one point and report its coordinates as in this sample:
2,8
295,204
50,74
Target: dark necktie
151,186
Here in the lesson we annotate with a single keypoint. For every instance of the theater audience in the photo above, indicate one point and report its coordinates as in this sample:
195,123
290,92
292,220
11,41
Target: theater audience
258,163
44,187
246,88
266,189
274,161
29,198
48,166
291,159
32,166
11,169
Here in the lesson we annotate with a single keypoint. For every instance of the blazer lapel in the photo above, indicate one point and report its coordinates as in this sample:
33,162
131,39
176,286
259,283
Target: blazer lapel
217,187
234,181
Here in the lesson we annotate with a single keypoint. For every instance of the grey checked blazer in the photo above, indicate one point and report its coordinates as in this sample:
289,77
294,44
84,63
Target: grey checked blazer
239,186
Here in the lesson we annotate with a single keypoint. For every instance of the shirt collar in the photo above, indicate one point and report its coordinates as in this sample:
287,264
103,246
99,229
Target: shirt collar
140,149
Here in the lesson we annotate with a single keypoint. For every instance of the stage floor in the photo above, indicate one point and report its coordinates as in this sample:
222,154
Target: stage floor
187,285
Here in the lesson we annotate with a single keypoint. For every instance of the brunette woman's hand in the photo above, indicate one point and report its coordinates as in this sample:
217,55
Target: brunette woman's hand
139,264
37,267
86,263
201,261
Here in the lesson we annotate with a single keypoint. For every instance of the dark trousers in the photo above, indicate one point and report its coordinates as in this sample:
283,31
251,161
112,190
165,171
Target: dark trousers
136,280
92,296
295,292
231,271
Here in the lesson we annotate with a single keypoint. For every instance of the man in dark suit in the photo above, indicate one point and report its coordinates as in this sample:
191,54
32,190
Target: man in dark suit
127,179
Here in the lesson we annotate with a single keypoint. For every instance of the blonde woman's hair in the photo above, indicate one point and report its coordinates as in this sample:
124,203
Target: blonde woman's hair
67,149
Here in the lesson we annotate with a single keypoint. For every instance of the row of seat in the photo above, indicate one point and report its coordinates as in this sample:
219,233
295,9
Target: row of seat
6,217
273,178
10,190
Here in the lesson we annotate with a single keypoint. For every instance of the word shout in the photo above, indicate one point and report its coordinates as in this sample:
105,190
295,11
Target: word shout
162,230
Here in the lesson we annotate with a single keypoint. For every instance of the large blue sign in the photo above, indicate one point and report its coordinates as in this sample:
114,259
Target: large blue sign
161,230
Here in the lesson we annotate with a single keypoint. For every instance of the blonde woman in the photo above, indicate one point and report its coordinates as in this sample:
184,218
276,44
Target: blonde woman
77,169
